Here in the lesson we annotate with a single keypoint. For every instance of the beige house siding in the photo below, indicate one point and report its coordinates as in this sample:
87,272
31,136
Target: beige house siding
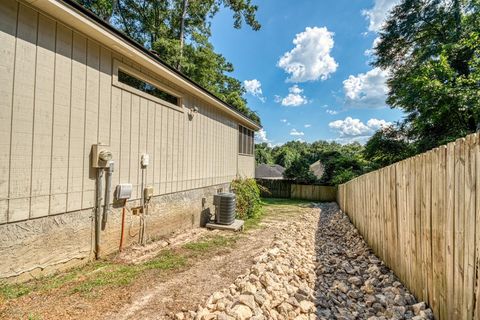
246,166
57,99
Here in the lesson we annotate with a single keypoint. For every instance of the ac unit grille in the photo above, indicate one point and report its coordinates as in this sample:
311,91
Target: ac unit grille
225,205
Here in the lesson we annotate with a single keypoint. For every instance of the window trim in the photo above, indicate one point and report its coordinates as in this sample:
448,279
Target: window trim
117,65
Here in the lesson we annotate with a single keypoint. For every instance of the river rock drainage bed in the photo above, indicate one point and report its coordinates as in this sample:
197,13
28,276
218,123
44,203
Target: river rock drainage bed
352,283
318,267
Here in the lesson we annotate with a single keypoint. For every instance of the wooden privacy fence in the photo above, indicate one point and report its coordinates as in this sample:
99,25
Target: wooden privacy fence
421,216
275,188
314,192
290,190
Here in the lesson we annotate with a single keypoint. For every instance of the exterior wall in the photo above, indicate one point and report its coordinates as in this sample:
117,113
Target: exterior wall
246,166
41,246
56,100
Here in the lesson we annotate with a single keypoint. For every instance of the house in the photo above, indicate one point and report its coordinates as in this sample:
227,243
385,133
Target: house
269,171
317,169
84,109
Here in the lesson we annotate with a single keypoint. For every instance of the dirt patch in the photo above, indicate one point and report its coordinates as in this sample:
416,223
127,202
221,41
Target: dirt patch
151,282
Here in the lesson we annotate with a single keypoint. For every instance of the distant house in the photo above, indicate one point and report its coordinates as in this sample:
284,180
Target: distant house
83,110
318,169
269,171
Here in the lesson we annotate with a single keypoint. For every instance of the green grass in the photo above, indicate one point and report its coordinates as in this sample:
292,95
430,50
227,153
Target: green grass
167,260
210,243
12,291
94,275
34,317
254,222
118,275
17,290
113,275
284,202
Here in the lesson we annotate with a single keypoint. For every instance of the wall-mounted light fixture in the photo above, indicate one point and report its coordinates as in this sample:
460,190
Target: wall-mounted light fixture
192,112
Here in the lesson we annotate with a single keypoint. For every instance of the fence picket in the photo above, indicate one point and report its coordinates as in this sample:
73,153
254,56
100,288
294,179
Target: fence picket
420,216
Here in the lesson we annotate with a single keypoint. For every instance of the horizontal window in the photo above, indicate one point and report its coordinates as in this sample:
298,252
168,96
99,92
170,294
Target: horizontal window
245,141
146,87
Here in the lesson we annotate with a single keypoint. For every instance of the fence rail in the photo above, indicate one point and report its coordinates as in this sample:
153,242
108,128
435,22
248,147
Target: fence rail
422,217
275,188
314,192
289,189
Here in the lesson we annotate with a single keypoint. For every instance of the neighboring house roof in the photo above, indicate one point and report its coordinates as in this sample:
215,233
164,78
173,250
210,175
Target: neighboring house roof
269,171
61,9
318,169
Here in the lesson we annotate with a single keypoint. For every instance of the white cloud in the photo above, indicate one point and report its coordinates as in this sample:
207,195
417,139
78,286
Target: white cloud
376,124
348,140
350,127
307,125
377,15
310,60
331,112
294,132
370,52
283,120
295,98
254,87
366,90
261,136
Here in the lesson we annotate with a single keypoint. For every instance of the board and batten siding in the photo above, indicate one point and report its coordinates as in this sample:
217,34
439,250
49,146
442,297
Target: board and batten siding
246,165
57,99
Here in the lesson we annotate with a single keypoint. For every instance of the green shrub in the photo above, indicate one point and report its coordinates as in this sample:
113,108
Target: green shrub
247,192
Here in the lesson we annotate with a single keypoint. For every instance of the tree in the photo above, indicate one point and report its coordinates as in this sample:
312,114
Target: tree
285,156
388,145
341,166
300,171
341,162
432,49
263,154
178,31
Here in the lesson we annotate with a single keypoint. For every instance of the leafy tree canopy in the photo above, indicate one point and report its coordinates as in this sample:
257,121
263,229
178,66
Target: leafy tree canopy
341,162
388,145
263,154
179,31
432,50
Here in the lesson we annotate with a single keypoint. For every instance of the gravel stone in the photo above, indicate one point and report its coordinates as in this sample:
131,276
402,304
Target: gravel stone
318,268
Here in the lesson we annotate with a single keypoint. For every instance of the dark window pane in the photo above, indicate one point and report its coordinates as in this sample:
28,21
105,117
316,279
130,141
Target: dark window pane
240,140
146,87
252,144
249,142
245,140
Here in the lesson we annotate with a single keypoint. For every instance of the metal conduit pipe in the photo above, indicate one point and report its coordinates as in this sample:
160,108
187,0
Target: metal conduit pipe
108,189
98,206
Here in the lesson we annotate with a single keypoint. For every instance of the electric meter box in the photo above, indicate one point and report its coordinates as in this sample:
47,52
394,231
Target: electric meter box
123,191
101,156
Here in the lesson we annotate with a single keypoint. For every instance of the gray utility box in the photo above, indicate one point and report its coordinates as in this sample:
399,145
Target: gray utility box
225,205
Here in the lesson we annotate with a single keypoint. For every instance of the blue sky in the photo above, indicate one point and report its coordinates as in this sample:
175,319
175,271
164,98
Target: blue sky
321,86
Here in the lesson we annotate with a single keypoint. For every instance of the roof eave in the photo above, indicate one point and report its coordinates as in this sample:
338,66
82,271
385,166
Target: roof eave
72,14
